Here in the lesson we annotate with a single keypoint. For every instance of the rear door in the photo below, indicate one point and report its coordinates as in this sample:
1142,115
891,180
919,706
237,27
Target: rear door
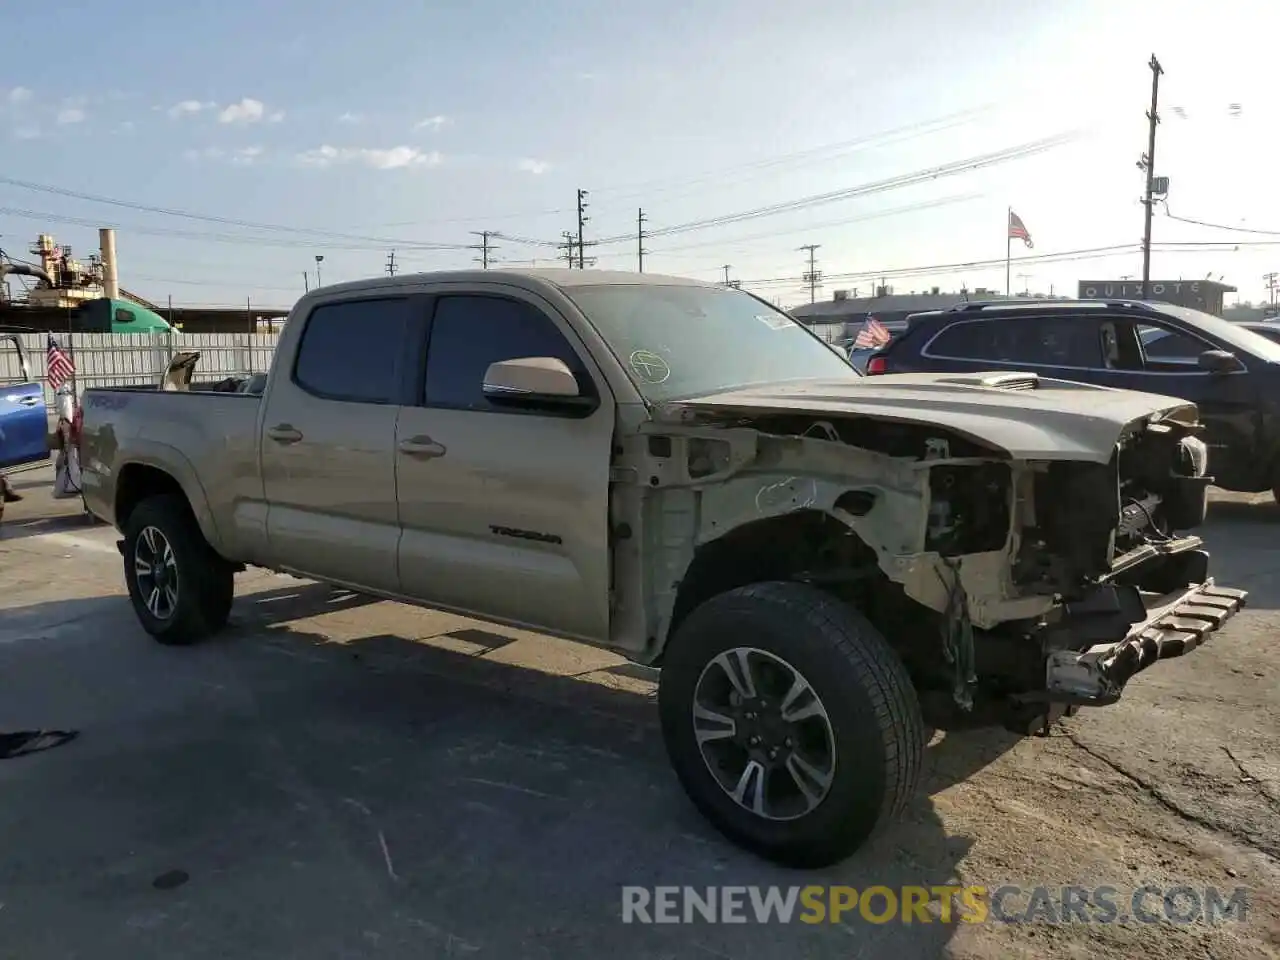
23,419
328,444
1063,347
505,512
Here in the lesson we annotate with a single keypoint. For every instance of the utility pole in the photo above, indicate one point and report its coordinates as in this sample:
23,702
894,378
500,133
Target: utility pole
484,246
1148,164
725,268
812,276
568,246
582,219
319,260
391,264
640,219
306,282
1273,284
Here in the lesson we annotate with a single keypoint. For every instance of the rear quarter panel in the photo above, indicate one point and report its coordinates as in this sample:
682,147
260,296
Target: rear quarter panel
206,441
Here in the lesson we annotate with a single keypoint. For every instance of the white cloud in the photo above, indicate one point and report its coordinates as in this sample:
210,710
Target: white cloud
350,117
245,156
431,123
26,133
393,158
247,110
18,95
536,167
185,107
276,117
126,126
239,157
70,115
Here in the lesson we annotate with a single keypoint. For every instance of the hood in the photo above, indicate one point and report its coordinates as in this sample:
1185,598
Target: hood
1029,417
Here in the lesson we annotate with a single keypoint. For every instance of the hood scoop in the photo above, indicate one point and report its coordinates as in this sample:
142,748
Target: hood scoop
999,381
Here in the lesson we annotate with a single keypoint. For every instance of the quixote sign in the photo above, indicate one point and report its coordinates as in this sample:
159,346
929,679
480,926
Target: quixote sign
1201,294
1130,290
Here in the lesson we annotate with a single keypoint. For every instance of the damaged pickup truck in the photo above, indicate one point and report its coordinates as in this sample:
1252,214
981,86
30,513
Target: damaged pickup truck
822,565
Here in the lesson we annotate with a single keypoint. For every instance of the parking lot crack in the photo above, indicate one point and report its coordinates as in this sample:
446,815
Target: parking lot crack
1162,797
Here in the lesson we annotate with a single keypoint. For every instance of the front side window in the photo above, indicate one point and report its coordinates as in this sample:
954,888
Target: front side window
124,315
470,332
351,350
1161,343
679,341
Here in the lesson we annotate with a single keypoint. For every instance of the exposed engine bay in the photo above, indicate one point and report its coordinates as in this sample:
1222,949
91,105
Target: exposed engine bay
992,576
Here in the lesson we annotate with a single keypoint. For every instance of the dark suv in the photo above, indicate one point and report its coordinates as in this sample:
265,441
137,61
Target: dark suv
1230,372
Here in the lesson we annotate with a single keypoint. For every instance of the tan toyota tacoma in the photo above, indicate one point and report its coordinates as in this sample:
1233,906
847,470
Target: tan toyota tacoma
822,565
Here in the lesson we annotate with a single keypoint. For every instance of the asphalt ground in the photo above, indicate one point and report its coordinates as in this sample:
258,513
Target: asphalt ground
340,778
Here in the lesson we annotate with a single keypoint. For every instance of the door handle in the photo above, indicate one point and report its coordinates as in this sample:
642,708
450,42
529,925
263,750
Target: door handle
284,433
31,401
422,447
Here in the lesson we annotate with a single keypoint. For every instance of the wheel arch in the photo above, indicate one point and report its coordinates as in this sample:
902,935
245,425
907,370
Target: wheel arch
155,472
776,548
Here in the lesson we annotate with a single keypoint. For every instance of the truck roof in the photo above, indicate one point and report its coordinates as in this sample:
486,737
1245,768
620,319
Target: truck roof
528,277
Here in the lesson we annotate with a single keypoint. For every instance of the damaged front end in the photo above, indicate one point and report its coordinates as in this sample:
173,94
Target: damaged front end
1014,589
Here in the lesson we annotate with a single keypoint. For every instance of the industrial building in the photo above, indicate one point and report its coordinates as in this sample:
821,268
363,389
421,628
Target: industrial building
839,318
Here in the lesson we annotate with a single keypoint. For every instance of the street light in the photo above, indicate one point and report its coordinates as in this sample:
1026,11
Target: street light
319,260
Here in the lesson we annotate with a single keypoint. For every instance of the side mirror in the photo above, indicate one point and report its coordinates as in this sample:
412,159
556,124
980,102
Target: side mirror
1220,361
533,382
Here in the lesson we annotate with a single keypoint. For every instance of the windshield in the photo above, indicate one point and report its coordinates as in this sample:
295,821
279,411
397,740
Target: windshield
681,341
1236,336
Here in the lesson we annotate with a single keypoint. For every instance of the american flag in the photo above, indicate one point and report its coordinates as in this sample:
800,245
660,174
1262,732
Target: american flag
873,335
1018,229
58,365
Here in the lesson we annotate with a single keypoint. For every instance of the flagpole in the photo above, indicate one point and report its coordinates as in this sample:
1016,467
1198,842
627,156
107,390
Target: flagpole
1008,249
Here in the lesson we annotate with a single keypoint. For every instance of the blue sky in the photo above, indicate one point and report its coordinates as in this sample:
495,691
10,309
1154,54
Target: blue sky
414,124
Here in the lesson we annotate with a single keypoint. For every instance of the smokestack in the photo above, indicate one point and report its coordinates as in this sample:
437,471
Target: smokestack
107,250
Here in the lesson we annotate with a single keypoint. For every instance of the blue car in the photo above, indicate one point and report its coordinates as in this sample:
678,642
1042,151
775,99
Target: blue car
24,421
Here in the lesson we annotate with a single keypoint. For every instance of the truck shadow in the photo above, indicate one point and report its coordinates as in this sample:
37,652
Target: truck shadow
1241,540
481,799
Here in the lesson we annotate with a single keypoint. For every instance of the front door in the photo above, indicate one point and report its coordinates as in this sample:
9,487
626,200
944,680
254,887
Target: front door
504,513
24,422
1168,363
328,445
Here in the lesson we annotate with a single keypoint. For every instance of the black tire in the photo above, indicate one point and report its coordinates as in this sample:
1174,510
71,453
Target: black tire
204,581
870,702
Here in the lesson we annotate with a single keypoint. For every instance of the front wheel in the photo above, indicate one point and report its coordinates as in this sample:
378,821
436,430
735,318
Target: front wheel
180,588
791,723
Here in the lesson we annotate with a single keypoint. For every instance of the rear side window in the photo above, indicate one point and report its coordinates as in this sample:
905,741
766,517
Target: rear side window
1035,341
470,332
351,350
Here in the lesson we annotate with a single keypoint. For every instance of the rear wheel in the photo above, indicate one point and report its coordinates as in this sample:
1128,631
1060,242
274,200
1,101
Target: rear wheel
180,588
791,723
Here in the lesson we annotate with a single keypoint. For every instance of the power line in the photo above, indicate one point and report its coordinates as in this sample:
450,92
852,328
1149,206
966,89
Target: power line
209,218
1063,256
797,157
1007,155
1218,226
